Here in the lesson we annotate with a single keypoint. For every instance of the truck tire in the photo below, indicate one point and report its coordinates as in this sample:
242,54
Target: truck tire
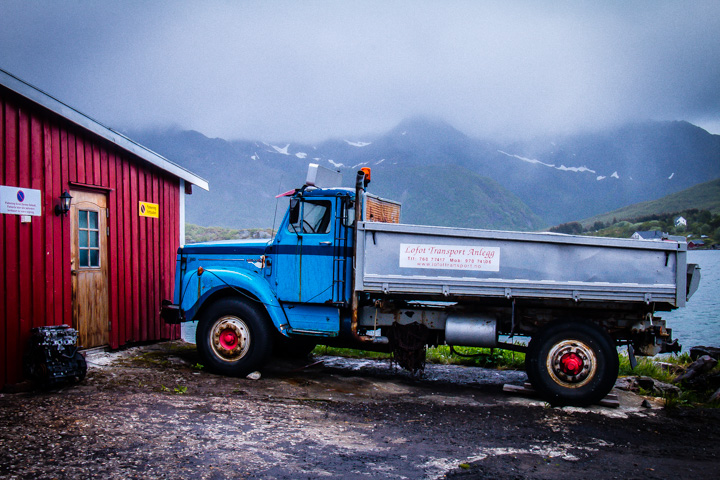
572,363
233,338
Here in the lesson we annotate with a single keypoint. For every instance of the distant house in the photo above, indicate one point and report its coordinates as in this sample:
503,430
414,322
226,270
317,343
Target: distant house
680,221
695,244
649,235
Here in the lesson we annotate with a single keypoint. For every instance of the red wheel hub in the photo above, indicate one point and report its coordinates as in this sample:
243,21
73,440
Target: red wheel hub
228,339
571,363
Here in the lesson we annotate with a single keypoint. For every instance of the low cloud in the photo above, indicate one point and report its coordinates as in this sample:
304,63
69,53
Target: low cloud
313,70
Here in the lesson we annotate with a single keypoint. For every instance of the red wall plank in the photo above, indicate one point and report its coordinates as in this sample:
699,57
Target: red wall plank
135,252
11,223
24,258
80,158
3,298
112,247
142,241
37,152
61,267
64,222
72,157
127,257
50,221
152,253
88,146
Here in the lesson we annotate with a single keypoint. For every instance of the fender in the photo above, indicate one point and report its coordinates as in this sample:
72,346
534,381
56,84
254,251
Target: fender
243,283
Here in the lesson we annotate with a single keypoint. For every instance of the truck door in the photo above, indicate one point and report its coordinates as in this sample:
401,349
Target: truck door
304,265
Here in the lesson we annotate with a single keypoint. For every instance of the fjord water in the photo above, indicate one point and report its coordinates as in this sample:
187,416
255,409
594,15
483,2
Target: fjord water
699,322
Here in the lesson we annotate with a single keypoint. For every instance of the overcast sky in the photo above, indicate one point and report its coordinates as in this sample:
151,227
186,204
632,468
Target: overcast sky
308,71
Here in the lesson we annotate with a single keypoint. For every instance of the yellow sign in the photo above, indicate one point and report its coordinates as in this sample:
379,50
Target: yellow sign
149,210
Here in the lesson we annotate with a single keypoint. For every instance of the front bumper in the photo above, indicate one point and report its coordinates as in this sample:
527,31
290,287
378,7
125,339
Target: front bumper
172,314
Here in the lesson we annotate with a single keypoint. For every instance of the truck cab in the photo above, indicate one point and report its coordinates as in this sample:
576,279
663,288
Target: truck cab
311,260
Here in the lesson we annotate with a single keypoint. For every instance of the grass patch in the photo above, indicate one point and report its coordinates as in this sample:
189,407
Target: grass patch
481,357
485,357
649,366
350,353
665,368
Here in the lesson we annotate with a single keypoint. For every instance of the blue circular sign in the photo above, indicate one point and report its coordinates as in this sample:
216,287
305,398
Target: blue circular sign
20,195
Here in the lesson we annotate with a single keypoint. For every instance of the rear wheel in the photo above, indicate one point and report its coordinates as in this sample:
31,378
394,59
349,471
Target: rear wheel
233,338
572,363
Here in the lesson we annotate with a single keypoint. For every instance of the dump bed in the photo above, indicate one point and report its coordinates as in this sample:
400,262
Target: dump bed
437,262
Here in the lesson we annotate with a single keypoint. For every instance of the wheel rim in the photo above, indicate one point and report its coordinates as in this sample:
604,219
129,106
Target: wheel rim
571,363
230,338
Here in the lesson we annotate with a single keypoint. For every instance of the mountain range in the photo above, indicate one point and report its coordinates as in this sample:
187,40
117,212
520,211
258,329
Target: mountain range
444,177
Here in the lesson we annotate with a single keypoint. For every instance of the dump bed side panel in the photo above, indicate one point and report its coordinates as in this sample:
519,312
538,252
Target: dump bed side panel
437,261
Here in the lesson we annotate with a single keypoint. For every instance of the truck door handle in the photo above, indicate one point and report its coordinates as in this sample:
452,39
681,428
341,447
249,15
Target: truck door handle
326,243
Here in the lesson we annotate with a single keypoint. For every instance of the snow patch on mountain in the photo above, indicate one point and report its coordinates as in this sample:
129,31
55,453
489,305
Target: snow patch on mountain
600,177
358,144
301,155
575,169
563,168
528,160
615,175
671,175
282,151
335,164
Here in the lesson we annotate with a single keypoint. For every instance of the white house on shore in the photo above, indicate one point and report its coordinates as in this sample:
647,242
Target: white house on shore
649,235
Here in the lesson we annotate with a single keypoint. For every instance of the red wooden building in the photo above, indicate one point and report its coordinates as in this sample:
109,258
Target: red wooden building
104,265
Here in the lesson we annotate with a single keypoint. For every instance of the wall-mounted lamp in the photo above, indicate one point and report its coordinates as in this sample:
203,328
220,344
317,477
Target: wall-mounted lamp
64,206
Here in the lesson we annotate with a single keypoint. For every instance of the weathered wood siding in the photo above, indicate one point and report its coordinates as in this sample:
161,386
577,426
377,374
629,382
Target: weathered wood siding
42,150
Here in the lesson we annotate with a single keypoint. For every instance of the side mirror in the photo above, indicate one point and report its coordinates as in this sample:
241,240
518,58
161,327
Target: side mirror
294,211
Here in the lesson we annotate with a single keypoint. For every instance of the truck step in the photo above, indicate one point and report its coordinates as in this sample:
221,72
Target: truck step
610,401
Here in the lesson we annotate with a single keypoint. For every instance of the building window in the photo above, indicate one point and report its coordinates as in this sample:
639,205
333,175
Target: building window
89,239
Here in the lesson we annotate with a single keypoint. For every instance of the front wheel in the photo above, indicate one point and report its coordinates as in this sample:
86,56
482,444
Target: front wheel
572,363
233,338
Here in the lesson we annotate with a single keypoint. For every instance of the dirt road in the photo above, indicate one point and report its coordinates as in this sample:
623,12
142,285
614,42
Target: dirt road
149,412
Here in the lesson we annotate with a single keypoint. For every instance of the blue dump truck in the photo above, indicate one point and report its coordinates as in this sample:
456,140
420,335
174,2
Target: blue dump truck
342,271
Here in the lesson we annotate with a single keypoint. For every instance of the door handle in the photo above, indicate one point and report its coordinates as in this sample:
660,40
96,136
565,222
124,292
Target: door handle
326,243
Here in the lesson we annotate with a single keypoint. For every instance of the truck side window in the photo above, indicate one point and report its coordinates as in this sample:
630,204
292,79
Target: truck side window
314,217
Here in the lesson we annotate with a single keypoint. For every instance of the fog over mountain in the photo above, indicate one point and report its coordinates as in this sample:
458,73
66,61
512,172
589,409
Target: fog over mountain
285,70
444,177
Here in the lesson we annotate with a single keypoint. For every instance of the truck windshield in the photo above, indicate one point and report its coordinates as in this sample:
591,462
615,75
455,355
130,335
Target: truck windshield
314,217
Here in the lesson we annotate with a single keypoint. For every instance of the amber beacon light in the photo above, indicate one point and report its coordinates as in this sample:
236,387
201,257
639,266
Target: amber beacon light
368,174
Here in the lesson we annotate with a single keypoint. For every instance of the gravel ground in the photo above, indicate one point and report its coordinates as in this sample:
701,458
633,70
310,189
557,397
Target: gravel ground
152,412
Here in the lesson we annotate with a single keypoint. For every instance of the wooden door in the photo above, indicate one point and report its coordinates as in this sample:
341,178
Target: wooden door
89,268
